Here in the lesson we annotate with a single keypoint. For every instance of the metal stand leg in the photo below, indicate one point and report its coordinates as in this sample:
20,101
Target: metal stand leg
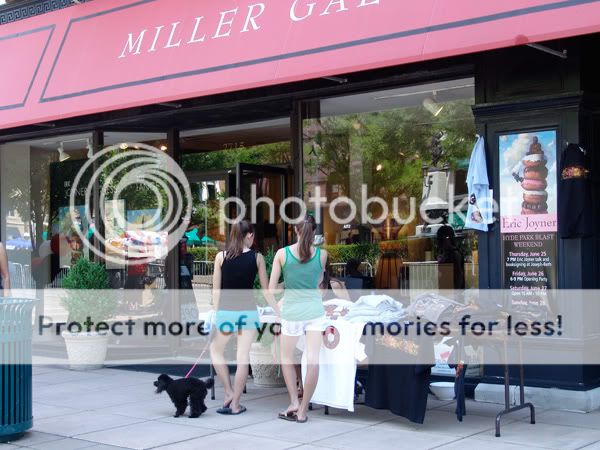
326,410
212,377
522,404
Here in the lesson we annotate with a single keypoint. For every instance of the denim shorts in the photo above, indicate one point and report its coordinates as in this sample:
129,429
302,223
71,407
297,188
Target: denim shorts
300,327
234,321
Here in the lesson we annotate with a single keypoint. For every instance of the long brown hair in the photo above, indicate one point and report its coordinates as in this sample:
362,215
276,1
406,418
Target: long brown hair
306,237
239,231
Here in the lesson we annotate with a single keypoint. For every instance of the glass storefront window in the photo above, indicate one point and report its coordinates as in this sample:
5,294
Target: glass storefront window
37,228
387,166
227,162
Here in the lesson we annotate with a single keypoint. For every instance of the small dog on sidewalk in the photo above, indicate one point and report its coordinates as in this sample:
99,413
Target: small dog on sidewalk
183,390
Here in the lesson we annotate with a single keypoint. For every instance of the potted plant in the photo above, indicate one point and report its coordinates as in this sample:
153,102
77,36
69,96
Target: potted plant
263,353
88,300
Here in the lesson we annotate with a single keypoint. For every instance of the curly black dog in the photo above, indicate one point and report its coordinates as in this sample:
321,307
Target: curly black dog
183,389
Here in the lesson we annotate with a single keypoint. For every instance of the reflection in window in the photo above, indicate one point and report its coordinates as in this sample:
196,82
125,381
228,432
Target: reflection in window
38,231
380,151
211,159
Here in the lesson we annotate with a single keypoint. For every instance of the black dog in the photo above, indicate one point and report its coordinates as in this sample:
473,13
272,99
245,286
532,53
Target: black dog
180,390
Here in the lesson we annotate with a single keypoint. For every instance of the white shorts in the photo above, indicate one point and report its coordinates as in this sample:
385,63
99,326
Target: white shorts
300,327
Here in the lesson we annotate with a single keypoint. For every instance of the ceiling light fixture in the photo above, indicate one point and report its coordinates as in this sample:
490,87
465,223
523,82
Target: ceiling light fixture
62,156
90,149
431,105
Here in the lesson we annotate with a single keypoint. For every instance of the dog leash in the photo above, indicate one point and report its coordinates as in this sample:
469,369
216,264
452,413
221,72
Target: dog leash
200,357
198,360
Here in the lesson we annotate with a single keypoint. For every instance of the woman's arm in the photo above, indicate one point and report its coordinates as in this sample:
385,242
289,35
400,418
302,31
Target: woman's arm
264,283
276,271
339,289
4,272
217,280
324,257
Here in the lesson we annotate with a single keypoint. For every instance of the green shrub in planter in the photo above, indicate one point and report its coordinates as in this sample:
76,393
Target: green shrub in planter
342,253
83,298
203,253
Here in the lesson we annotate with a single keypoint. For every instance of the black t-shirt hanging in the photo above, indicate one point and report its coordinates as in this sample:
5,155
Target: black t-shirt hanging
574,194
401,388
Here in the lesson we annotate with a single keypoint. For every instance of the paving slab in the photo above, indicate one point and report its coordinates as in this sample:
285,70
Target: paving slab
571,419
304,433
154,408
62,444
146,435
34,437
543,435
442,422
232,441
378,436
211,419
472,443
83,422
361,415
43,411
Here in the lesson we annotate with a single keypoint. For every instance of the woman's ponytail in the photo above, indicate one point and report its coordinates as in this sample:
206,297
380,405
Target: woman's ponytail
239,230
306,238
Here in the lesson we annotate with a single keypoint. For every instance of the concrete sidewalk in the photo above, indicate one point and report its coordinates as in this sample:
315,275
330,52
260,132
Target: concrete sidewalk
114,409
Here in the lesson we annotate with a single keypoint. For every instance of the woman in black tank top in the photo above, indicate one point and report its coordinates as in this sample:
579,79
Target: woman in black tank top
233,281
238,273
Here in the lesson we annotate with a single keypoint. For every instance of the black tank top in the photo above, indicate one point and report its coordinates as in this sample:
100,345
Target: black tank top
238,274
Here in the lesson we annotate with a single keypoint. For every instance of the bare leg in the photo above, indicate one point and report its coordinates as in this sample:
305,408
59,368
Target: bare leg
313,350
288,345
217,355
244,340
298,368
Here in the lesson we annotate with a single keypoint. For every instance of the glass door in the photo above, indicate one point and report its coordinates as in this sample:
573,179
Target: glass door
263,190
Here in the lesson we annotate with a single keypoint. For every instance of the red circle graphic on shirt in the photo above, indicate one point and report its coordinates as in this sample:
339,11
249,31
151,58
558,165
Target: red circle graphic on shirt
331,337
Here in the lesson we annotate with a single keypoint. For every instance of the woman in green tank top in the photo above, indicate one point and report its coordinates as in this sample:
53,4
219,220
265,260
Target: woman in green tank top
302,312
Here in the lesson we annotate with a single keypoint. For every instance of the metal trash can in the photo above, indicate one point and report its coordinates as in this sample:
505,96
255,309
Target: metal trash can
15,367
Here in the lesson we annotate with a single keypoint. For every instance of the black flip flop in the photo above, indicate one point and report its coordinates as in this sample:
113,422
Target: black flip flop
225,410
290,416
302,420
242,410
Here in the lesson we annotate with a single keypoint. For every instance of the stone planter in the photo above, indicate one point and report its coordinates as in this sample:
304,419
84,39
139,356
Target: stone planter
265,369
86,351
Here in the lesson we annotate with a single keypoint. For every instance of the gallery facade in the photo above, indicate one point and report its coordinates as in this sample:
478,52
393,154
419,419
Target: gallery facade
353,99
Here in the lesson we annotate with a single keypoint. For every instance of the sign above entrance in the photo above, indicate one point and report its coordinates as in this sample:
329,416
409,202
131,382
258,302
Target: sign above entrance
115,54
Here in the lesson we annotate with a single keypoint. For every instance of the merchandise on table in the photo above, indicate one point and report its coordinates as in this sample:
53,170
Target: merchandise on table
402,389
341,351
574,199
375,308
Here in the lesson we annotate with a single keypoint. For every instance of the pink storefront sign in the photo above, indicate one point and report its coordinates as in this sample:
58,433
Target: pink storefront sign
114,54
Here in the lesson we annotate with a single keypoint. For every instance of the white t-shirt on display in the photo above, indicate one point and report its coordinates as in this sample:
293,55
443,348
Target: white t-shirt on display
480,210
340,352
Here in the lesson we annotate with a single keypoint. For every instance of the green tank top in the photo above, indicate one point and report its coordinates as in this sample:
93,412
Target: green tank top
302,299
